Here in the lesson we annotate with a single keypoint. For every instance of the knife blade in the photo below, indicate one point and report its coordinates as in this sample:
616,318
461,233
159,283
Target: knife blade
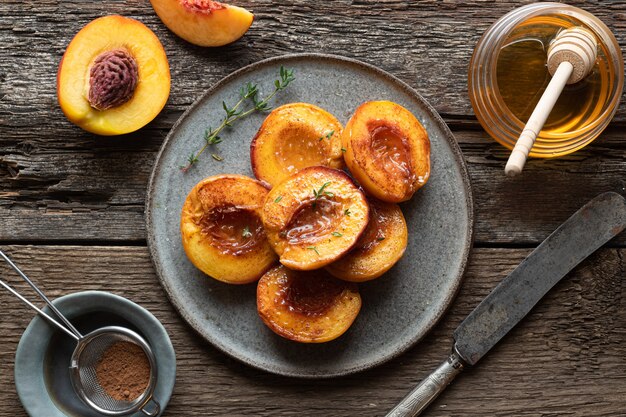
583,233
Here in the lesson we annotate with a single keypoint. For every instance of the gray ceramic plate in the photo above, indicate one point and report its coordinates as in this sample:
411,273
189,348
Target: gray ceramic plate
42,377
398,308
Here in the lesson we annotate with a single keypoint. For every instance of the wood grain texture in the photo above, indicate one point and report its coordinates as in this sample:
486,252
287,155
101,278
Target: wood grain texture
59,184
96,189
427,43
565,359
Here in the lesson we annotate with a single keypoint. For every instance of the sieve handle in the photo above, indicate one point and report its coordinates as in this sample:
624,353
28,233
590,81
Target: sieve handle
68,328
156,408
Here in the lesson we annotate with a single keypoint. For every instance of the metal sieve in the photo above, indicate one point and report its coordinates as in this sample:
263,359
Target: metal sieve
86,356
89,350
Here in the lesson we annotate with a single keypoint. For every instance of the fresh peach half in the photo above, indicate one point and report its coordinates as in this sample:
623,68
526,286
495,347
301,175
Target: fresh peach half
314,217
307,307
387,150
378,249
114,77
204,22
221,229
293,137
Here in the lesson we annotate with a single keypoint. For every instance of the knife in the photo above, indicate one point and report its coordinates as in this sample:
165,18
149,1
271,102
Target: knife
588,229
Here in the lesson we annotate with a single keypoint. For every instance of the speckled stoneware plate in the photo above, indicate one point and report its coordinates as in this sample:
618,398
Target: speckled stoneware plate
42,359
398,308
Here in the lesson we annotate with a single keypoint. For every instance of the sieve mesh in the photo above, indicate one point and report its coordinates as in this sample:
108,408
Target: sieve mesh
86,381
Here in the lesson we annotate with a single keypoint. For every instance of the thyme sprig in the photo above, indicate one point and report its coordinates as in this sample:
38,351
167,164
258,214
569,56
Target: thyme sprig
327,136
249,92
313,248
321,192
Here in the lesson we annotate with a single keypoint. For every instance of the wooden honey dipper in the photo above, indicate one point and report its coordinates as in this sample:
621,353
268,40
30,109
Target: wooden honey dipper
571,56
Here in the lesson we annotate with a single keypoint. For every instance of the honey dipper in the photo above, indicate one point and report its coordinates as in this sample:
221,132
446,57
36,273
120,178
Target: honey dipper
571,56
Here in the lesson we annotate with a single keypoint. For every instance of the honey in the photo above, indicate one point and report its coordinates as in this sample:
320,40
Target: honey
508,75
313,220
521,86
374,233
233,230
311,296
391,152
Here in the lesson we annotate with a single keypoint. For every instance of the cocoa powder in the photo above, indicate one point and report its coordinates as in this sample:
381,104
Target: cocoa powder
123,371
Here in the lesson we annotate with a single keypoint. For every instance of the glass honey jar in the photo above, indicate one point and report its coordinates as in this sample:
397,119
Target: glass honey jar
508,74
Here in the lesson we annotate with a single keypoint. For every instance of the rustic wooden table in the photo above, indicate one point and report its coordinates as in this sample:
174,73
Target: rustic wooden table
72,211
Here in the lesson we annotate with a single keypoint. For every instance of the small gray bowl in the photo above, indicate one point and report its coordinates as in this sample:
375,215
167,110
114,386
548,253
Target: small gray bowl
42,359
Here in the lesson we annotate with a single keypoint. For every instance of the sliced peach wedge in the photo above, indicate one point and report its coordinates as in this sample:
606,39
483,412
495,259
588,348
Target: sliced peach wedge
292,137
314,217
307,307
387,150
114,77
378,249
221,229
204,22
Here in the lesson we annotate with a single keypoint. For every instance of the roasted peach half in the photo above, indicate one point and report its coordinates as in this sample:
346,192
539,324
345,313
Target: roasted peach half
308,307
314,217
221,229
293,137
114,77
378,249
387,150
204,22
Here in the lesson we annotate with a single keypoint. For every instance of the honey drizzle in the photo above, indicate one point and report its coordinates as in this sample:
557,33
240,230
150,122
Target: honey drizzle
233,230
391,152
312,220
308,295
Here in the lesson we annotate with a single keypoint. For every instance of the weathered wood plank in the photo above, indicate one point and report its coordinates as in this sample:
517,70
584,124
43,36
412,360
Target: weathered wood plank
565,359
80,188
426,43
527,208
60,183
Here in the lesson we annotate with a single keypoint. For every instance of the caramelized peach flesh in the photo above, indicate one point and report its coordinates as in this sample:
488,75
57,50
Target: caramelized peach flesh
307,307
378,249
221,229
293,137
387,150
204,22
114,77
314,217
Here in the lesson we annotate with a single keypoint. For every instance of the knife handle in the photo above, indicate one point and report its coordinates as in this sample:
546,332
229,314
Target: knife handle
418,399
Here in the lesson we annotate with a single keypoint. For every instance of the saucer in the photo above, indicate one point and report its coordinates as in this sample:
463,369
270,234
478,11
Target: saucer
42,359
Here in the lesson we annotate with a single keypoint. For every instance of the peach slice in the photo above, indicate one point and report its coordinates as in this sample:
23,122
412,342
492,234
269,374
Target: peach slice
387,150
221,229
293,137
114,77
378,249
204,22
314,217
307,307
